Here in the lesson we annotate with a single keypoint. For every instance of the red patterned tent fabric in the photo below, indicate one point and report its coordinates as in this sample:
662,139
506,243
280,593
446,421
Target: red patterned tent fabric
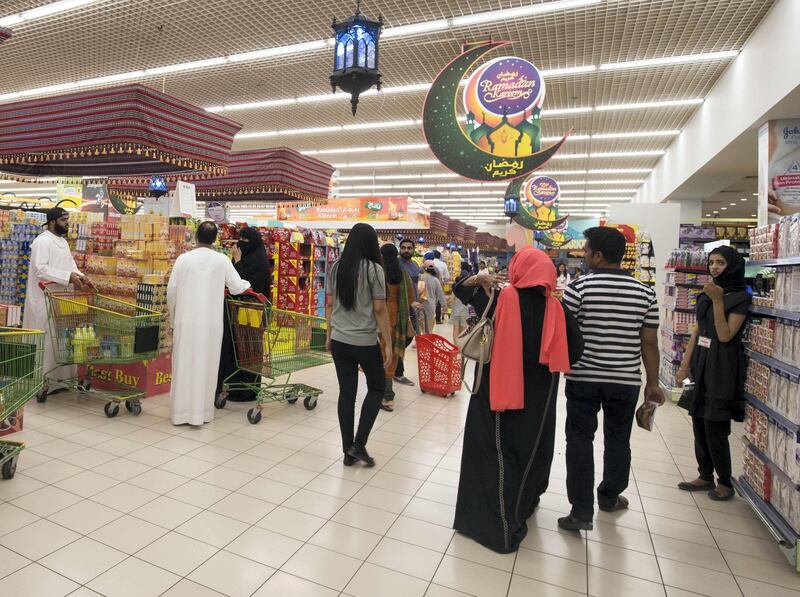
455,229
276,174
469,233
130,129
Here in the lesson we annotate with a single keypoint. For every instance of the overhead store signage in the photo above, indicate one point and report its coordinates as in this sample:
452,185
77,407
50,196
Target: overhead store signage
69,192
500,136
386,212
533,203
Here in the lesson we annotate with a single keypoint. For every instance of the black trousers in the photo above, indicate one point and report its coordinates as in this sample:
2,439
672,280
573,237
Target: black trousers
712,450
584,401
347,358
438,313
400,370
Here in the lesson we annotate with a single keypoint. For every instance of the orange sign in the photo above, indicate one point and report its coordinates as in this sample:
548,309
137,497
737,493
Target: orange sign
393,211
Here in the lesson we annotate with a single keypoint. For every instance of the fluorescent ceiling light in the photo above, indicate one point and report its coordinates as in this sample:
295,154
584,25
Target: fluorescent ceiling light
521,11
137,74
570,156
175,68
670,60
279,51
620,171
46,10
625,154
560,111
570,70
637,134
414,28
366,149
645,105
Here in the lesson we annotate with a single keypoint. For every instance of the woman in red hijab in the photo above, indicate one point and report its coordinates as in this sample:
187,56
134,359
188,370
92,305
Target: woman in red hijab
509,434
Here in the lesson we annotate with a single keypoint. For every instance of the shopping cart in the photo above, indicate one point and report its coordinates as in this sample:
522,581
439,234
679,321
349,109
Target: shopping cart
20,380
89,329
439,364
270,343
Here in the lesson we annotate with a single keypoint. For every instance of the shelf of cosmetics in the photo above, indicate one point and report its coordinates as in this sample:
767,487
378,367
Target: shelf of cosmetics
780,240
778,289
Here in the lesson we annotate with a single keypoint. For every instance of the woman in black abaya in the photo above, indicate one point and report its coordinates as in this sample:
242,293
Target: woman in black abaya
251,262
509,434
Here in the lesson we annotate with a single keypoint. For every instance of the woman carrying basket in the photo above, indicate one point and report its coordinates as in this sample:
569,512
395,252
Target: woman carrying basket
399,297
509,434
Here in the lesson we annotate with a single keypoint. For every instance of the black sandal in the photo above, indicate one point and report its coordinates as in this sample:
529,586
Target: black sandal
387,408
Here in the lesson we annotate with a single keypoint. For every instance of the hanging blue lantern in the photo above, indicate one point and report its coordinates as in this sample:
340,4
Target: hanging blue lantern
355,55
157,186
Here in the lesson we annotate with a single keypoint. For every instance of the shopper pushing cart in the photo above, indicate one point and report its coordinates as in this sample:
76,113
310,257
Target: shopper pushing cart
88,328
51,261
271,343
20,380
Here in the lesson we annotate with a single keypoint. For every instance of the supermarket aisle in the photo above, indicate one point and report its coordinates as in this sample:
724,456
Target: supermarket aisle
135,507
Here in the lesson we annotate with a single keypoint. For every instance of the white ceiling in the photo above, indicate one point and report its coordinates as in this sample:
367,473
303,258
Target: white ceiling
282,95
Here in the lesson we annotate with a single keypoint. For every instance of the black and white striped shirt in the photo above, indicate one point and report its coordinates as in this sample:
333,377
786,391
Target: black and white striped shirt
611,308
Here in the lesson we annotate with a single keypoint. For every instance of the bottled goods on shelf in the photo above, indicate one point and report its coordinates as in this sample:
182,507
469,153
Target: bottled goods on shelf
688,258
778,289
18,230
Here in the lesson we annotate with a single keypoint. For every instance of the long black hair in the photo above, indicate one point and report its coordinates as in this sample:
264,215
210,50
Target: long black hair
361,245
394,275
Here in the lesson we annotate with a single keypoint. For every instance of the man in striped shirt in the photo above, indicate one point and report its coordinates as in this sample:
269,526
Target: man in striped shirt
618,316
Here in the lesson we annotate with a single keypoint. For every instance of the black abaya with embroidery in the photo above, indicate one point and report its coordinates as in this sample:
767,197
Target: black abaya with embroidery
506,457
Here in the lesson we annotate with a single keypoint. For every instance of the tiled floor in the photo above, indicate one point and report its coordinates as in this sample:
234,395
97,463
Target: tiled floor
136,507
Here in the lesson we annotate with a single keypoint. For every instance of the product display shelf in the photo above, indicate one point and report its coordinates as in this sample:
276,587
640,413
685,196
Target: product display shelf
681,288
777,262
773,363
772,413
786,537
779,313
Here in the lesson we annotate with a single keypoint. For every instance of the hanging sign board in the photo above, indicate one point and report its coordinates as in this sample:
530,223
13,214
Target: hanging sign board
500,137
69,193
185,204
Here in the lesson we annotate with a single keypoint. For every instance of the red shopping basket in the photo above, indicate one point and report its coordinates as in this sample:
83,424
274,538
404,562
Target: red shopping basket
439,363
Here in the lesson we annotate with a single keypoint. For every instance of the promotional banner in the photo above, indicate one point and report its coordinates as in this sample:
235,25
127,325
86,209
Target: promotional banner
502,103
533,203
216,212
778,170
70,191
381,212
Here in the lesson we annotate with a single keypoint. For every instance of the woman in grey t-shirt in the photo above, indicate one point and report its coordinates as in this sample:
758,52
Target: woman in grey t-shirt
356,312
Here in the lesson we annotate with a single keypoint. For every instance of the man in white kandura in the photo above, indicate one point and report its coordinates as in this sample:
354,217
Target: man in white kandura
51,261
195,296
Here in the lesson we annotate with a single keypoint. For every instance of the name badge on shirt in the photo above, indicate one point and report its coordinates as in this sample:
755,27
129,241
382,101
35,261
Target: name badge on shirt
704,342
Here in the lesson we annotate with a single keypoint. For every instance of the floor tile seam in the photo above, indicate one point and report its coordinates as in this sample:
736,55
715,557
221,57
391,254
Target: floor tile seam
709,527
647,526
32,562
765,582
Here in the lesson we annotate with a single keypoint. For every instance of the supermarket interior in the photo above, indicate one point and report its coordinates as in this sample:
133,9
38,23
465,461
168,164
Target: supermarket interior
343,298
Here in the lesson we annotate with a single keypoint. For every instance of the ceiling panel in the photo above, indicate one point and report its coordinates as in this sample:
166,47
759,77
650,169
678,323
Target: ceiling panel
115,36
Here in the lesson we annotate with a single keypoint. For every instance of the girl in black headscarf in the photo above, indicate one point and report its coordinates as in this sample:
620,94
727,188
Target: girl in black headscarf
251,262
715,361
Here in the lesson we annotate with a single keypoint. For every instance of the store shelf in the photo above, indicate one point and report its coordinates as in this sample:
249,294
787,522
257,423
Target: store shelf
771,413
776,470
773,362
781,313
774,262
781,530
688,269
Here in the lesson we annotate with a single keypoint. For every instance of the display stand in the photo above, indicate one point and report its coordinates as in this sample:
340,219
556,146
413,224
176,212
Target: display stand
683,284
770,480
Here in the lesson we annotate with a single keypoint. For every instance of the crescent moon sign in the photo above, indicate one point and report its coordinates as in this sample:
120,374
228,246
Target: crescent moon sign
523,217
448,141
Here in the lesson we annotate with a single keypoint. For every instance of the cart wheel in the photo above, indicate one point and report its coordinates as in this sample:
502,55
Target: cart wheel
310,402
135,408
220,401
423,391
111,409
41,397
253,415
292,400
128,406
9,468
85,385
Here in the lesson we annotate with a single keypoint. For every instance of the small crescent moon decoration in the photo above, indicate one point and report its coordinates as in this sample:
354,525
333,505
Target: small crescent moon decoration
524,217
450,144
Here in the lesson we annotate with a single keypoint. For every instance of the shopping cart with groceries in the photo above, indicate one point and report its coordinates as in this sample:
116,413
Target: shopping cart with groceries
89,329
20,380
271,343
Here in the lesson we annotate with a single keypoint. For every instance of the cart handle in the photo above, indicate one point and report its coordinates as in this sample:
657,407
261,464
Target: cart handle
43,284
250,292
